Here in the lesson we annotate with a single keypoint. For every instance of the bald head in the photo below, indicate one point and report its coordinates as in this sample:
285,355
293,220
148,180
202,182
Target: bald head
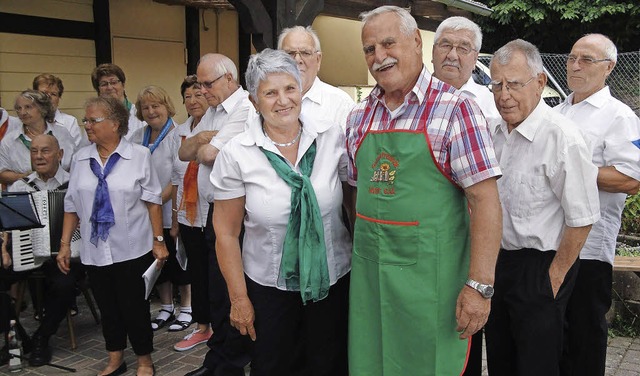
45,156
591,60
218,78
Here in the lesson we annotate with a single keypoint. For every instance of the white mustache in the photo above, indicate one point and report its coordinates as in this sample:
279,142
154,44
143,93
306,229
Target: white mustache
451,64
385,62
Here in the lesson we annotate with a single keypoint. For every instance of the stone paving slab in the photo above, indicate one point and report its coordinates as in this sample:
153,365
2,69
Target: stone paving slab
623,354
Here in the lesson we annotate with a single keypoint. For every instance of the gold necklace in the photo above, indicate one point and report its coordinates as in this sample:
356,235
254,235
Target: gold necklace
31,132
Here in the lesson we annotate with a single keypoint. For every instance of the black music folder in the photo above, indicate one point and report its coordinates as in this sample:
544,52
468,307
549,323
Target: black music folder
17,212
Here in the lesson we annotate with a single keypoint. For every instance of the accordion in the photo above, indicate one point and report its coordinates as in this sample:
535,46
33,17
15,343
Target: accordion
32,247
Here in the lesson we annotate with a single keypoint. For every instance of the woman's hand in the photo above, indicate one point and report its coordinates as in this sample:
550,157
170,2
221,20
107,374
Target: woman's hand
160,253
64,258
175,230
242,316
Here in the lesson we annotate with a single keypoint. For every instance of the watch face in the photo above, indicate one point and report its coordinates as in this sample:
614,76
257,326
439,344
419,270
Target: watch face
487,292
160,238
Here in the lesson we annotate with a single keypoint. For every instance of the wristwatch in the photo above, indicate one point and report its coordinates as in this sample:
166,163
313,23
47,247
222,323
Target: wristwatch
158,238
485,290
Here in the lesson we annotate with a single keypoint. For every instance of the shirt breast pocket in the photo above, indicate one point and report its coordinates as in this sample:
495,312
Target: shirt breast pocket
531,193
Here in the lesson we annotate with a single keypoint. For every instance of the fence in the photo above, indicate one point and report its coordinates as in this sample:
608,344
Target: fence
624,81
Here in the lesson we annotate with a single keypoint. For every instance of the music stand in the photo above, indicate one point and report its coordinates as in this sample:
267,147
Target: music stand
17,212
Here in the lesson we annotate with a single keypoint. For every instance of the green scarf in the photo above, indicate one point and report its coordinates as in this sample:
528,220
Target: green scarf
304,255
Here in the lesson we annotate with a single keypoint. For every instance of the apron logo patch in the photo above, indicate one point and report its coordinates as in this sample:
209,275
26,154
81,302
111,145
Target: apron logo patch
384,171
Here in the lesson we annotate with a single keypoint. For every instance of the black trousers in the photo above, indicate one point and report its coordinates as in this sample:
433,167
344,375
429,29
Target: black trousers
198,271
474,362
585,348
119,291
171,271
525,329
229,350
58,296
299,340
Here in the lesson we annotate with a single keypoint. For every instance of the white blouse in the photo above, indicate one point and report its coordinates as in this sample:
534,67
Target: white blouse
242,169
132,182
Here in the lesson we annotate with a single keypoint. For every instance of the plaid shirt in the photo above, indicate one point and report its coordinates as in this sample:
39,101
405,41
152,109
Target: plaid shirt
458,134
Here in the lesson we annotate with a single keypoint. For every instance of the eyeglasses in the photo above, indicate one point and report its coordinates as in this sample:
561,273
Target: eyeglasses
108,83
512,86
209,84
305,54
94,121
584,60
461,50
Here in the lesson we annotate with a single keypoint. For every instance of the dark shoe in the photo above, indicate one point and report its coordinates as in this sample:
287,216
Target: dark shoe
157,324
202,371
41,352
119,371
178,325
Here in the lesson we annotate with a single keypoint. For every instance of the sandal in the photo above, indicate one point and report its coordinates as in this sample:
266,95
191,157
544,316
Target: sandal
160,323
179,325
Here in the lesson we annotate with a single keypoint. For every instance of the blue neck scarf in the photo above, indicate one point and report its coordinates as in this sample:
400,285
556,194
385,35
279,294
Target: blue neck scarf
102,217
161,136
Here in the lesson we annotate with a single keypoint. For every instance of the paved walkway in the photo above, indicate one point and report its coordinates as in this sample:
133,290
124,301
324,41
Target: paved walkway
90,357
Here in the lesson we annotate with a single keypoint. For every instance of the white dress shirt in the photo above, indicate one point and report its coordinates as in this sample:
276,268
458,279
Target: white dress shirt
132,182
610,128
548,180
70,123
134,122
162,160
15,156
242,169
325,102
484,99
177,179
52,183
229,119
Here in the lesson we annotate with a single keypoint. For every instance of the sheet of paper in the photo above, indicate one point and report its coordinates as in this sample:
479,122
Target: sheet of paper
150,277
181,254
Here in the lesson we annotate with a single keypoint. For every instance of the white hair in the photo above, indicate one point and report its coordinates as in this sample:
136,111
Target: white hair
223,64
460,23
266,62
302,29
505,53
408,24
610,50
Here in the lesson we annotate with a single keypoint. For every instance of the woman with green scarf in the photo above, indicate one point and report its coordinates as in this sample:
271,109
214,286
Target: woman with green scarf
283,179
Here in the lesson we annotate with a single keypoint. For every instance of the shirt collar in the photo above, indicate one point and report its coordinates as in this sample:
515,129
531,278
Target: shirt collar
124,148
60,177
419,90
230,103
314,94
529,127
597,99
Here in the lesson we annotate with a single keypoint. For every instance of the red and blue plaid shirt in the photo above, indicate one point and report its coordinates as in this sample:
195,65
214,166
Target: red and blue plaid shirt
458,133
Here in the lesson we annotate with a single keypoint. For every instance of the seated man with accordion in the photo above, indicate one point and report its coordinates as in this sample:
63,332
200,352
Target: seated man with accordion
48,179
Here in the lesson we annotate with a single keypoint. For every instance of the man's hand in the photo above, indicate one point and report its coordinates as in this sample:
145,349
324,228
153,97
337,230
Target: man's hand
472,312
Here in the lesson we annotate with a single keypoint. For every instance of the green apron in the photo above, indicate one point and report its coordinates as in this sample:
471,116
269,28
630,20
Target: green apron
410,260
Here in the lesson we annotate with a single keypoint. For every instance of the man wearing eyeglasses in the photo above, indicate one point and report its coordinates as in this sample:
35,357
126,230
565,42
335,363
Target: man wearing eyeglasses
229,109
319,99
549,202
420,156
455,52
613,131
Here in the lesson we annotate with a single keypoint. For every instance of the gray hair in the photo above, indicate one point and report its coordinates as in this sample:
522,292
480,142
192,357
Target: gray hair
266,62
115,111
223,64
42,102
408,24
312,33
461,23
610,50
530,52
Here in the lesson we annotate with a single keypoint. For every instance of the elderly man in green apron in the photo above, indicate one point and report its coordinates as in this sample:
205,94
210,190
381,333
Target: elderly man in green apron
427,213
